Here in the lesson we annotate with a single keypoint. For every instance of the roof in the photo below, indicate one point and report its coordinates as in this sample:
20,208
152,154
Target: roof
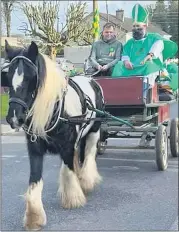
127,24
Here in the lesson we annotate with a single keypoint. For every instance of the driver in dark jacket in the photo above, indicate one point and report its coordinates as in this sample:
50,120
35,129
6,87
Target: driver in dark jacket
106,52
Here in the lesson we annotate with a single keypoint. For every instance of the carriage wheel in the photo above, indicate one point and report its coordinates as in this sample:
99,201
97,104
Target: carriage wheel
102,143
161,148
101,147
174,139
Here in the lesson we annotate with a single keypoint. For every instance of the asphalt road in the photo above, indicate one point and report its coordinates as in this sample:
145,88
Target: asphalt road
134,195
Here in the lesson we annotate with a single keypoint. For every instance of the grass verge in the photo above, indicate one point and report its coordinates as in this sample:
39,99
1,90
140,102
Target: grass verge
4,105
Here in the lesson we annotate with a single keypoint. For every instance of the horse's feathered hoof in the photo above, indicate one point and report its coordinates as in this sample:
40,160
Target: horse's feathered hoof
70,191
72,200
35,220
89,176
88,185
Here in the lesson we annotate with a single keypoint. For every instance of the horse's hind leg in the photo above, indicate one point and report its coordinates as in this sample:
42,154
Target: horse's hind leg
89,176
70,191
35,216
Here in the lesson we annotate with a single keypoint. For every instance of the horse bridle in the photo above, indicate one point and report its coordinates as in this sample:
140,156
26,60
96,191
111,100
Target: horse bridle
30,64
24,104
33,137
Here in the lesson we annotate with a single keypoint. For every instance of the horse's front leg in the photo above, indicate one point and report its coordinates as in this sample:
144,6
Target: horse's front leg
70,191
89,176
35,216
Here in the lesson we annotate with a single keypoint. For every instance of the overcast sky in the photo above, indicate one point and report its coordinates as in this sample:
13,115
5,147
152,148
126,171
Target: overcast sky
18,17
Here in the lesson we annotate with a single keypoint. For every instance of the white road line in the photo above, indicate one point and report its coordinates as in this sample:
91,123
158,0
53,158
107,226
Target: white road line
174,161
133,168
126,167
172,170
135,160
12,140
8,156
55,165
173,164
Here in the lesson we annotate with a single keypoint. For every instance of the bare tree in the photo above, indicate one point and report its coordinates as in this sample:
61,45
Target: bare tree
7,7
150,8
42,19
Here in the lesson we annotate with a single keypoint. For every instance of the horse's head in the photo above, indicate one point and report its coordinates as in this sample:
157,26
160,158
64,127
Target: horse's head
23,80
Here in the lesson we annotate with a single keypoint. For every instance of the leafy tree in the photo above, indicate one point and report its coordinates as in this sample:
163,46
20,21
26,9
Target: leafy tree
160,15
165,15
173,19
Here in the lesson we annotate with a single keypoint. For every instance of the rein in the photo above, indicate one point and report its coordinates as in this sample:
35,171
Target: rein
34,136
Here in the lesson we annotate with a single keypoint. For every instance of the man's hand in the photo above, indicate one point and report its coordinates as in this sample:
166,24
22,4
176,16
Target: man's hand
104,68
128,64
99,67
147,58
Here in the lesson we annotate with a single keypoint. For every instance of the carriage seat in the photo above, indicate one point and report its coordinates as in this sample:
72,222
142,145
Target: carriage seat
165,95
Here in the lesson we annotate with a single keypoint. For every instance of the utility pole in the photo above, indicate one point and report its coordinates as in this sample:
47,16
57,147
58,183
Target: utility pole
95,5
107,12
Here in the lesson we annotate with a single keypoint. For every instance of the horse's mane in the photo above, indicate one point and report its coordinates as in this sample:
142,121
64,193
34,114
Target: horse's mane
51,85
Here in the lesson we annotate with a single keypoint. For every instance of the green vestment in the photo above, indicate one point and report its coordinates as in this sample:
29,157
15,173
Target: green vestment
172,69
137,50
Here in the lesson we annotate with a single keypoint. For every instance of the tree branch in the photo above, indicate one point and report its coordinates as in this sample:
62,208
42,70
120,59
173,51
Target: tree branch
42,20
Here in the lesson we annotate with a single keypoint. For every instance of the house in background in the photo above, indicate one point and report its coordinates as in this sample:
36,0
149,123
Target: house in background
77,55
13,41
124,25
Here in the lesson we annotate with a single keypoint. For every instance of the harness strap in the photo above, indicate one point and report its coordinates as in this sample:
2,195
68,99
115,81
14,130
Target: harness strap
80,92
18,101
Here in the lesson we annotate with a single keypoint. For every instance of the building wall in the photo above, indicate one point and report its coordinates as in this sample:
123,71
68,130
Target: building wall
13,41
78,54
128,36
121,35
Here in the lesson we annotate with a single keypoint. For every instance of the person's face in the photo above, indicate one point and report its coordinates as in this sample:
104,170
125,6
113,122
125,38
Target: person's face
139,31
108,33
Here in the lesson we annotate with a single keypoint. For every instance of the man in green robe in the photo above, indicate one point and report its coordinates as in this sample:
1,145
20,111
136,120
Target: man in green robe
145,52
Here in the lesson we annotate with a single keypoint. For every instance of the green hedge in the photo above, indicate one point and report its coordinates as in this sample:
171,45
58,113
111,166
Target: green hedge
4,105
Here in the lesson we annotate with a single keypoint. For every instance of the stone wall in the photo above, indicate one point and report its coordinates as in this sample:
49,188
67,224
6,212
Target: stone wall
77,55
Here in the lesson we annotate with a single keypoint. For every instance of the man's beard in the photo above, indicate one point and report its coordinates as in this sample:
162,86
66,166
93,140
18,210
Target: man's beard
138,33
108,38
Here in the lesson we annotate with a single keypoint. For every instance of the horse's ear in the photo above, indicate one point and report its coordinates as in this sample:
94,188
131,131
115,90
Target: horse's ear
33,51
8,49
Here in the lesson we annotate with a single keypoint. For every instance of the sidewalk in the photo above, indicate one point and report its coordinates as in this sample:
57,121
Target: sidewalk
6,130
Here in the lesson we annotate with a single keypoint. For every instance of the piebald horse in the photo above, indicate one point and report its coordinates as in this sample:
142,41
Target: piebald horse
42,102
